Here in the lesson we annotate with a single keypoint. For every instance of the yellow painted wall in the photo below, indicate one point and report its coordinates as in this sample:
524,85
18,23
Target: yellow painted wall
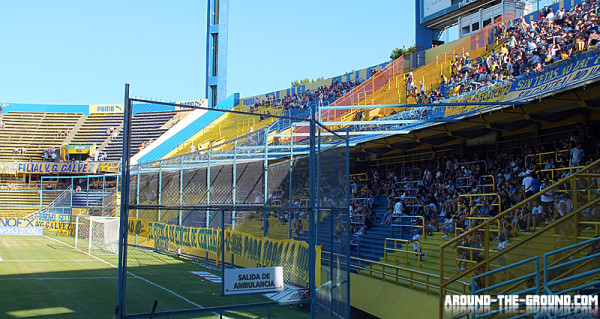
386,300
431,54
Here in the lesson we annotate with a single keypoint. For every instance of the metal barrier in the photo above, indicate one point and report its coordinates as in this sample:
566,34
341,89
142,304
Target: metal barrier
464,184
480,278
361,177
551,283
397,274
410,204
412,224
407,185
577,185
539,156
483,184
554,171
397,250
471,196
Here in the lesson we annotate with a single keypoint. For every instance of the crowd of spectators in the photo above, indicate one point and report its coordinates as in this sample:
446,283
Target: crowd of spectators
19,151
527,47
449,188
303,100
50,154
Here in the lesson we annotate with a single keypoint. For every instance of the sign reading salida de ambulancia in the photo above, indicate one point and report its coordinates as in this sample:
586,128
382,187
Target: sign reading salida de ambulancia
253,280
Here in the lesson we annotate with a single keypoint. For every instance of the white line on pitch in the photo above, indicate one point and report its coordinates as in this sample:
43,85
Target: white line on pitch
1,259
46,260
57,278
134,275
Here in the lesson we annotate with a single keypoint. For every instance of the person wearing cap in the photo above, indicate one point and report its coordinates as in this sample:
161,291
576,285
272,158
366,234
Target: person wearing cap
416,240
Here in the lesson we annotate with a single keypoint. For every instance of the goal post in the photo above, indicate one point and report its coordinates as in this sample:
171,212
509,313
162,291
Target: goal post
97,235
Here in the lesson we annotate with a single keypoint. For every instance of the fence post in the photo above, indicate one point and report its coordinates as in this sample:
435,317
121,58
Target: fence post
266,169
234,190
159,188
208,189
181,192
137,200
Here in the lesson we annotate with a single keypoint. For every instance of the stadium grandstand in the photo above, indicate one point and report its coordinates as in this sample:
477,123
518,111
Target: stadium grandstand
474,169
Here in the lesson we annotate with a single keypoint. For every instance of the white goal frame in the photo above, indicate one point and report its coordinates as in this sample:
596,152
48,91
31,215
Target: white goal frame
98,234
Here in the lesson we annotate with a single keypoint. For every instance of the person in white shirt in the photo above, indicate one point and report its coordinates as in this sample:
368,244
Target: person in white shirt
547,200
398,208
527,185
536,216
550,16
416,240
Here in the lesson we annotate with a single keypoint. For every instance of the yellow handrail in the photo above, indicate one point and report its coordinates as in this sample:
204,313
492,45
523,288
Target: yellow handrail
362,177
554,170
539,155
400,250
470,196
366,267
485,226
493,185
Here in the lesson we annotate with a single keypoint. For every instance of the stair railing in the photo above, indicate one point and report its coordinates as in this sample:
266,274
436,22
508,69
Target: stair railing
580,186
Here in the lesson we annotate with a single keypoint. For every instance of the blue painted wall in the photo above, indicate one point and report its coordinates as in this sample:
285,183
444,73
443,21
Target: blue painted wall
186,133
48,108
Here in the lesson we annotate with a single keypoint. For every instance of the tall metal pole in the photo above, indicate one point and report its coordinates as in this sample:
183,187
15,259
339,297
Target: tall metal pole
266,169
234,191
122,270
311,216
291,213
159,188
137,199
181,192
208,189
347,223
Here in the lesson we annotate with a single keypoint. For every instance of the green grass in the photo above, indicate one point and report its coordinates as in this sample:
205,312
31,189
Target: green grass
45,277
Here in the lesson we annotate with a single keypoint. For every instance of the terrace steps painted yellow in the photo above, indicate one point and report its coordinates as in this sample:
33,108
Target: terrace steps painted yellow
35,132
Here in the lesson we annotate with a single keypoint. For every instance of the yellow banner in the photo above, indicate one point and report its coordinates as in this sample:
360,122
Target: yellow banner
57,168
109,167
290,253
58,228
138,227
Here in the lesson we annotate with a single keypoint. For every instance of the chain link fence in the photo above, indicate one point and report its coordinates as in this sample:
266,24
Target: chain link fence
228,214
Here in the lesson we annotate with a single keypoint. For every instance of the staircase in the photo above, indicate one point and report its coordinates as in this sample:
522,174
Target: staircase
581,187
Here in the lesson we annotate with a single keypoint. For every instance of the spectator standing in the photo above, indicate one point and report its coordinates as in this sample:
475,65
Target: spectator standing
576,155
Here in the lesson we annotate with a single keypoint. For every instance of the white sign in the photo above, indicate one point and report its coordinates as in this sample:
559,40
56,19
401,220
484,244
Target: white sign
253,280
432,6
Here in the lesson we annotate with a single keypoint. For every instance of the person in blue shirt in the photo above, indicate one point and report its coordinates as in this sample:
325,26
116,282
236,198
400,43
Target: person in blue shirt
535,183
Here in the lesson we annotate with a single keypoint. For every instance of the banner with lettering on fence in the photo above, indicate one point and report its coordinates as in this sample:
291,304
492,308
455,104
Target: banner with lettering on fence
290,253
557,77
57,168
19,227
58,228
51,217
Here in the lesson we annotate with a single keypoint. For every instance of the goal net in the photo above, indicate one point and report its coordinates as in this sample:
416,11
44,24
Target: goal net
97,235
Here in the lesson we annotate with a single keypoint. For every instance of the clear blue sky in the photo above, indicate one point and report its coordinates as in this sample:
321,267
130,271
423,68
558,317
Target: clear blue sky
82,52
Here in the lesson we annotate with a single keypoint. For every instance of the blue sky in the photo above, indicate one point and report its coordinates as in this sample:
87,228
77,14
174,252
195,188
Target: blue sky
82,52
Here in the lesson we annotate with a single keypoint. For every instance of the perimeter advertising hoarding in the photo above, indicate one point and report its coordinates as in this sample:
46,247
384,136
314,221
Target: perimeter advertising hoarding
19,227
12,168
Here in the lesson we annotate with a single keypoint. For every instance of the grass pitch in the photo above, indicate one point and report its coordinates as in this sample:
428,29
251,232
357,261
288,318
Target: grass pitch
45,277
